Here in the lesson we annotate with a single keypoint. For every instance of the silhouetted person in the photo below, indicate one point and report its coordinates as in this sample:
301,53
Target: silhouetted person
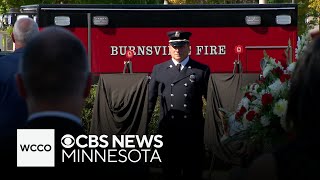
54,79
13,109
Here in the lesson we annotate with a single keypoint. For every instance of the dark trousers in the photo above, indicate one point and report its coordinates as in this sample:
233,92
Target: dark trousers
183,151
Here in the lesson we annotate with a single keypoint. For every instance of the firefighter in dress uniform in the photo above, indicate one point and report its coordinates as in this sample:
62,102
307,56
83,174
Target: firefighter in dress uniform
180,82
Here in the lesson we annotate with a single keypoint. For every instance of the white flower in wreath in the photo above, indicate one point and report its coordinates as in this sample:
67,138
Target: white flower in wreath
291,67
267,70
265,121
276,87
246,124
235,126
257,102
244,102
280,108
302,44
274,63
257,109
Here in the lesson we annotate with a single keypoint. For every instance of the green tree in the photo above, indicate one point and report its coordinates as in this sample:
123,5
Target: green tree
5,5
307,8
314,4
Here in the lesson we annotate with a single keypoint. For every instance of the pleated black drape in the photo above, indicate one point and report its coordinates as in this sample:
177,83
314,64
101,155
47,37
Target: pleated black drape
121,105
224,91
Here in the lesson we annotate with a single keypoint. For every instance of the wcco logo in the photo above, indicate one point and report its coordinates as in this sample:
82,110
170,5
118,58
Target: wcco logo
35,147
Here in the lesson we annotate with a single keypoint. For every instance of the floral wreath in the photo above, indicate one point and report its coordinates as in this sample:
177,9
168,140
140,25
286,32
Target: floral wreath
260,115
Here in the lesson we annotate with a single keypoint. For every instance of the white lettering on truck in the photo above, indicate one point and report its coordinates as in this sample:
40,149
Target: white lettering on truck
206,50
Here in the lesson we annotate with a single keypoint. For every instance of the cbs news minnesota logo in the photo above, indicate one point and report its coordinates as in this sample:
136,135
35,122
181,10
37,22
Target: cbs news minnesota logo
35,148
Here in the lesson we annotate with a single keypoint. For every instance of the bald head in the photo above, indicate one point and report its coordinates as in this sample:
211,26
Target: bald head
54,65
23,30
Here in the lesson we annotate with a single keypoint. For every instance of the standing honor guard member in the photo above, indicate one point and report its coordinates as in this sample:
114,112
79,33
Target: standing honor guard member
181,83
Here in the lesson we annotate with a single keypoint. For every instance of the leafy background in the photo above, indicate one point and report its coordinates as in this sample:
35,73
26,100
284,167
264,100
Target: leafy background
306,7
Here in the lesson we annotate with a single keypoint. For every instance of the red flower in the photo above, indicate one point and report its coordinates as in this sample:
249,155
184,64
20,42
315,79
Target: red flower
238,116
283,63
249,96
284,77
242,110
266,99
250,115
277,71
240,113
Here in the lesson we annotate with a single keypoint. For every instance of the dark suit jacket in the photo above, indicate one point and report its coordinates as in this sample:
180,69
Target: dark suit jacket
180,93
62,126
13,109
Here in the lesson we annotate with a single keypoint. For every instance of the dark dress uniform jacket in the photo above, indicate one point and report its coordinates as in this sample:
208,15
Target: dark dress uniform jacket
181,119
180,92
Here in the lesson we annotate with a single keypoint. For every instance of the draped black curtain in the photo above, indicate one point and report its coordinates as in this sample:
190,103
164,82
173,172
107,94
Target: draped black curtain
121,108
121,105
224,91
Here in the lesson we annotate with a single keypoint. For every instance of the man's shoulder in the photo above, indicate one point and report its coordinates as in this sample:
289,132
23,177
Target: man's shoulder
10,61
51,119
8,66
163,65
58,123
14,55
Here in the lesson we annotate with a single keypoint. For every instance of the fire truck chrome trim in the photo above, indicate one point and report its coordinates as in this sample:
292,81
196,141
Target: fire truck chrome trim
195,9
100,20
265,47
253,20
62,20
283,19
35,18
89,39
22,16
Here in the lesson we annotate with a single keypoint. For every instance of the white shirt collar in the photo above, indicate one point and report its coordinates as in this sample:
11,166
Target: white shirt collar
55,114
183,62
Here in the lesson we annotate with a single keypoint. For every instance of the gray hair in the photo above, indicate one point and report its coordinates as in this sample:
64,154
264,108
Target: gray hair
24,29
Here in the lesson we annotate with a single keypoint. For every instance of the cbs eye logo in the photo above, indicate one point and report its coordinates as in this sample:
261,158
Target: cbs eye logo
67,141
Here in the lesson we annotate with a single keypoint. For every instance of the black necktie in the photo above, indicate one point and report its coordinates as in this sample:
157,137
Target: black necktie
179,67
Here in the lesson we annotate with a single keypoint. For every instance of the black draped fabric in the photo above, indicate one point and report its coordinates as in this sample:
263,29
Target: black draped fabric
224,91
121,104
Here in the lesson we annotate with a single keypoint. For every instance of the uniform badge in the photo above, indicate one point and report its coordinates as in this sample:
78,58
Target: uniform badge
192,78
177,34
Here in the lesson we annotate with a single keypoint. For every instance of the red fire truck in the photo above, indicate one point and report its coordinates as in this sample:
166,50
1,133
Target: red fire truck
221,34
